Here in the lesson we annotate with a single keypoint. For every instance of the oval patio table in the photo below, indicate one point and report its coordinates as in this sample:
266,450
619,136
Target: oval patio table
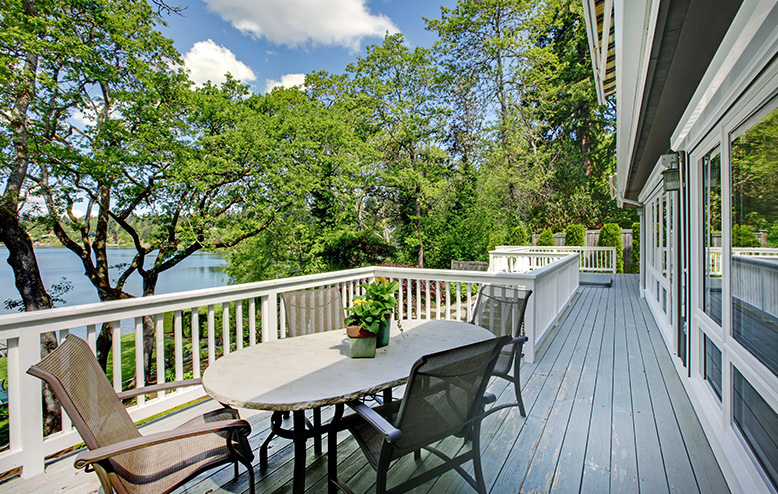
296,374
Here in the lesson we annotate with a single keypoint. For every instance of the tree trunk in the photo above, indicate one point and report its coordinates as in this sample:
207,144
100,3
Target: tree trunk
418,227
149,328
104,344
21,256
586,148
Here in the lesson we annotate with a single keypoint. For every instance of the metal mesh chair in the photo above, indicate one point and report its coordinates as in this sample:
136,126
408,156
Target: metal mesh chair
313,311
500,309
445,396
124,460
307,312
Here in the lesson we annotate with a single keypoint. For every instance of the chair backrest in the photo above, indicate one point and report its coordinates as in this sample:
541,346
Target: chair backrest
445,391
313,311
500,309
86,394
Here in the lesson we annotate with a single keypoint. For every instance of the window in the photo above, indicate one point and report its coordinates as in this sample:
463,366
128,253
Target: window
758,423
711,235
713,366
754,264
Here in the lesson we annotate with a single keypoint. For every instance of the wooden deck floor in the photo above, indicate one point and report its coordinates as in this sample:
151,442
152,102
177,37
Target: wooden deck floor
606,412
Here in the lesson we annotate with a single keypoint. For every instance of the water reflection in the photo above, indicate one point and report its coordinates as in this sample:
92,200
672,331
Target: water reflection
200,270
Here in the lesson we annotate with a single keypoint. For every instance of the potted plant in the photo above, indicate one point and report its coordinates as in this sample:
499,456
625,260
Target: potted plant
381,292
362,325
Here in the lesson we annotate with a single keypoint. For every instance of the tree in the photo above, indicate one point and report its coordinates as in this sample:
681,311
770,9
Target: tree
398,88
519,236
575,234
635,254
546,238
610,236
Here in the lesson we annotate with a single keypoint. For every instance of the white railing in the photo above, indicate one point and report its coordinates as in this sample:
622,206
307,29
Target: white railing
715,256
755,282
249,314
526,258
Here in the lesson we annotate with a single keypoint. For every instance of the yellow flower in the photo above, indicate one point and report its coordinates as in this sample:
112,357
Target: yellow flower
358,301
381,279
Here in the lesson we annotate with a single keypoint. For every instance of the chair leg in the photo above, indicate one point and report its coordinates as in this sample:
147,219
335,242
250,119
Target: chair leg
417,455
517,383
332,450
517,387
479,473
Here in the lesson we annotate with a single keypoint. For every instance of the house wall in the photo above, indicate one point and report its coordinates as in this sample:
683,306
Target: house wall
731,381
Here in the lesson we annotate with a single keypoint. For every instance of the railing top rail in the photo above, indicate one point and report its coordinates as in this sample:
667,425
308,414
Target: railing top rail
454,276
95,313
546,254
501,249
770,263
746,250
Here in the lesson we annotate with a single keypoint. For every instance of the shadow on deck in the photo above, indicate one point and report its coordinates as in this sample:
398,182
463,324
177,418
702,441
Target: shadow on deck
606,412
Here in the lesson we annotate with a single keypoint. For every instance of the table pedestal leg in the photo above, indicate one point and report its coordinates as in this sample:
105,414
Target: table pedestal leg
299,438
332,450
317,431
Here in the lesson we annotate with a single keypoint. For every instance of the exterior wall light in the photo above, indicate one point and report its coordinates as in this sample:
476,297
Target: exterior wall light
671,176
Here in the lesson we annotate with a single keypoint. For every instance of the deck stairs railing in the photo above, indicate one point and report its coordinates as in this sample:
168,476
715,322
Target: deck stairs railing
521,259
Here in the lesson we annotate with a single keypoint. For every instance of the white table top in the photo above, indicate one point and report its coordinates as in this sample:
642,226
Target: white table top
315,370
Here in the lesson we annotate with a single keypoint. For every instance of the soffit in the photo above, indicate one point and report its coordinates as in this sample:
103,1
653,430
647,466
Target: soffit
687,35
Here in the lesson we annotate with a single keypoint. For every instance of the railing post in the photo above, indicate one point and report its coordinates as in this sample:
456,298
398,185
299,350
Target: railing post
24,400
269,317
530,331
613,260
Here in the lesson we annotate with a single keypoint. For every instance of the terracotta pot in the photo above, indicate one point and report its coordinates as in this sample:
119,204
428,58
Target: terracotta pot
358,332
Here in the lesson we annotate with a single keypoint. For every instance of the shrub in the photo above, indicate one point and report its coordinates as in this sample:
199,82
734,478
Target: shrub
519,236
772,235
546,238
575,234
610,236
743,237
635,254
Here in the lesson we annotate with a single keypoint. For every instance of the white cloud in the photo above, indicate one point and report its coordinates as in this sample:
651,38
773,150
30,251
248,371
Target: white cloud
287,80
208,61
301,22
82,119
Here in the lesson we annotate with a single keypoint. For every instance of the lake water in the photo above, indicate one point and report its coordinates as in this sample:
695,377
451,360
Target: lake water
200,270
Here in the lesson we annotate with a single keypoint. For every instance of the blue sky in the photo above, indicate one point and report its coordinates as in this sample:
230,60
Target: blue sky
266,42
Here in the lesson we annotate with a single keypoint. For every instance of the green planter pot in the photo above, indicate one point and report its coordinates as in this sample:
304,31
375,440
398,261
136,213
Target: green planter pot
383,332
362,343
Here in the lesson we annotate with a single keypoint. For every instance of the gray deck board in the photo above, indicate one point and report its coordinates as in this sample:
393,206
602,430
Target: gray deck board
606,412
651,469
623,455
597,462
706,470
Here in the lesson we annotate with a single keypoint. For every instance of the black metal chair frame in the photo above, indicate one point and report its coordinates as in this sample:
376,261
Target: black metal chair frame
469,429
502,370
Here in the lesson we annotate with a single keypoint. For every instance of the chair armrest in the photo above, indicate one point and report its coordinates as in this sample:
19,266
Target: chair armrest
131,393
489,398
86,458
379,423
518,339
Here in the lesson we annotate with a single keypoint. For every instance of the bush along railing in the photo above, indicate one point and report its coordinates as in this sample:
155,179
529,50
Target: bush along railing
193,329
524,259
